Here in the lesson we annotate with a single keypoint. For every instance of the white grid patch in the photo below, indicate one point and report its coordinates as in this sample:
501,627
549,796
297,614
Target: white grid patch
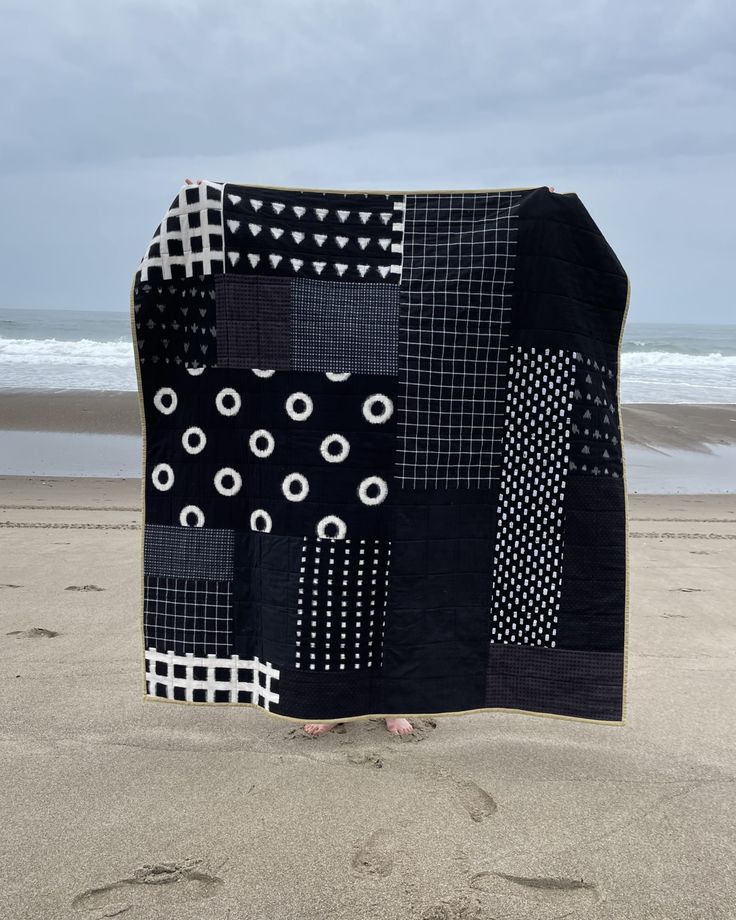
187,613
529,545
190,236
239,680
457,263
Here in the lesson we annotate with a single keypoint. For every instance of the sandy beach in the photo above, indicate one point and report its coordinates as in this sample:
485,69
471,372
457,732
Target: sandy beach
118,806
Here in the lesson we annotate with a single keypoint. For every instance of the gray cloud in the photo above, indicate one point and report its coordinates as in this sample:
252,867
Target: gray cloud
113,103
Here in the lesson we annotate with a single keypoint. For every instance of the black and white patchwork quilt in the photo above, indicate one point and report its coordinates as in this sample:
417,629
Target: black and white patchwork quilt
382,459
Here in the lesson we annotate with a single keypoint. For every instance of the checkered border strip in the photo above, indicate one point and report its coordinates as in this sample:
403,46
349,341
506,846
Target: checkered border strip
259,693
189,235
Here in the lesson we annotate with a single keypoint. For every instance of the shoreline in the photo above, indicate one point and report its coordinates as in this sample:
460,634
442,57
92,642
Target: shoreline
668,448
684,426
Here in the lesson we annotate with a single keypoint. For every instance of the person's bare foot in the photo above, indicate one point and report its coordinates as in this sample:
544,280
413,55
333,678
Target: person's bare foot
319,728
399,726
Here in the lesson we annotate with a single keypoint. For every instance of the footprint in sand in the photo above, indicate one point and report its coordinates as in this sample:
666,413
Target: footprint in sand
471,797
370,758
373,858
464,907
157,884
11,586
478,803
83,588
35,632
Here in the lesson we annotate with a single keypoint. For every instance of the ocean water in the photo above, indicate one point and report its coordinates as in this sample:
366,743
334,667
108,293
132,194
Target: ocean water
75,349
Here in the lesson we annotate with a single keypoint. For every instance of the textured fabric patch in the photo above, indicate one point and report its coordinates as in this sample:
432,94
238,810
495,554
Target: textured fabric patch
594,583
595,435
341,609
564,681
175,322
187,615
189,552
529,548
459,253
344,326
253,319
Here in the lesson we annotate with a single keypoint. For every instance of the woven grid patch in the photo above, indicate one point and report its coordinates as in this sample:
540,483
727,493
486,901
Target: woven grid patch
211,679
341,608
344,326
529,539
188,552
253,319
187,615
189,239
459,254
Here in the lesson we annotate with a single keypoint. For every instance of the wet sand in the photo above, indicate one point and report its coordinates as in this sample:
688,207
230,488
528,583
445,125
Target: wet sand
670,449
686,427
114,805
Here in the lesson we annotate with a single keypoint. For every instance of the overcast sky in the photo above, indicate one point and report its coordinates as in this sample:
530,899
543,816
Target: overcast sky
108,105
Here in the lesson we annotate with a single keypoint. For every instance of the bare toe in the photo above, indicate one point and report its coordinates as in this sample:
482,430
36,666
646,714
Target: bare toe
319,728
399,726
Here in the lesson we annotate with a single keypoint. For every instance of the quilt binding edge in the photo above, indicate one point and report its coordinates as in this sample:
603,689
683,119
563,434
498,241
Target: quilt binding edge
382,715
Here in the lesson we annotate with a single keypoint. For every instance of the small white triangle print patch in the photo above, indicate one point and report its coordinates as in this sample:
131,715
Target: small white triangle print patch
298,210
256,204
343,215
254,258
319,238
363,241
276,232
277,206
340,268
233,225
342,241
274,259
297,263
255,229
319,266
363,269
297,236
365,216
234,198
234,257
321,213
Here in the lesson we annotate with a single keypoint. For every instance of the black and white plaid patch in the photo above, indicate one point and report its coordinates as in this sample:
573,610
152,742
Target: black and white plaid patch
211,678
189,239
